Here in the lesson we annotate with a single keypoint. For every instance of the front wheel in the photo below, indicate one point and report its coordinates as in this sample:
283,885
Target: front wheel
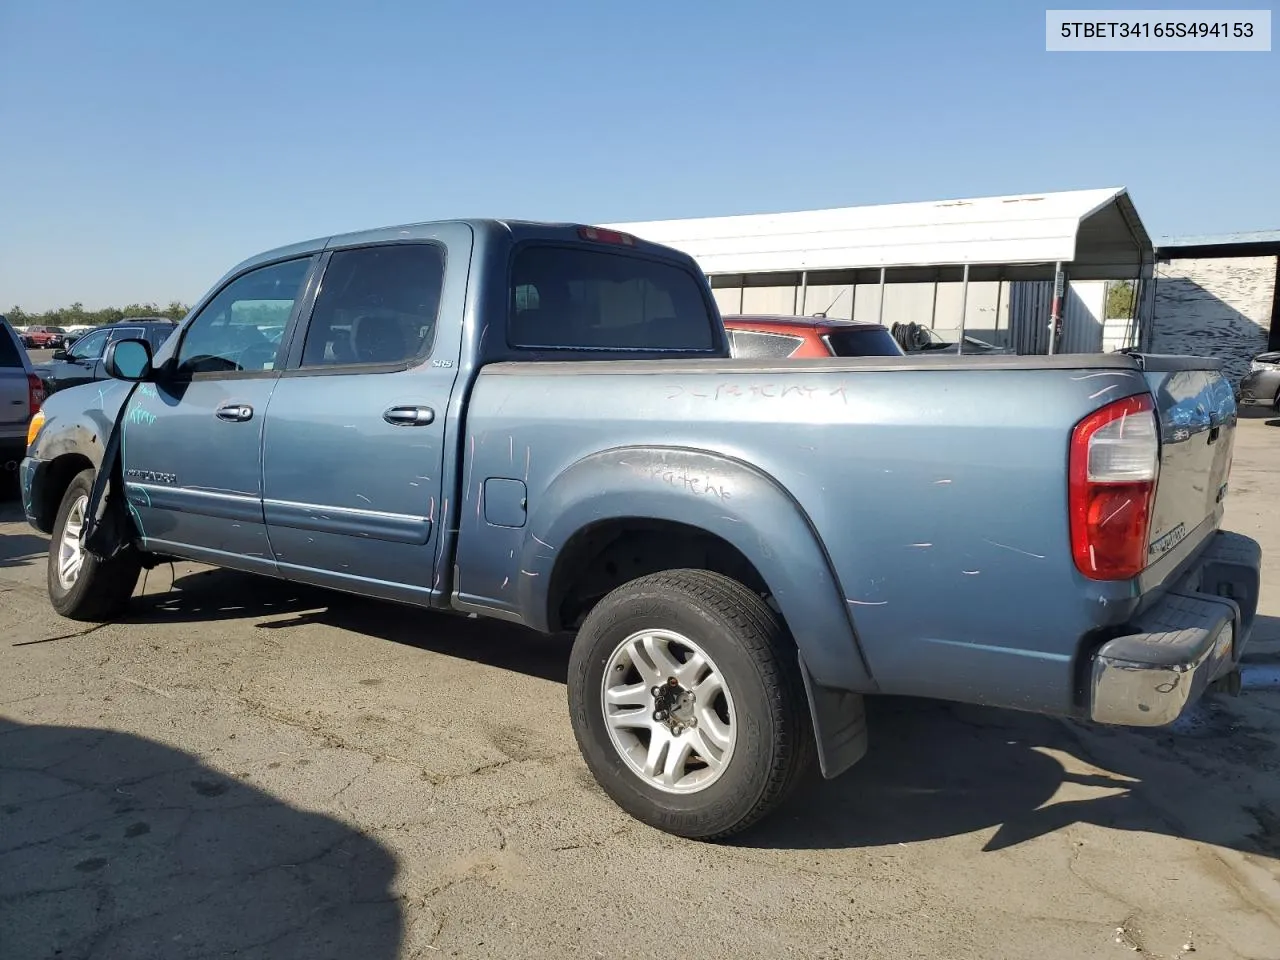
687,703
82,587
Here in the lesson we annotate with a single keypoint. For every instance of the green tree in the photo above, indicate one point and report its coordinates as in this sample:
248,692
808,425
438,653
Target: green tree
1120,296
76,314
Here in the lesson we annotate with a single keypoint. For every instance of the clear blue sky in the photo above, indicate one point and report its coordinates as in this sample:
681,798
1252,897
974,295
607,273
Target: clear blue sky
148,146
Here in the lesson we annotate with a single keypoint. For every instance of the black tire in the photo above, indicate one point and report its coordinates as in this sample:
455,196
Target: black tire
760,666
101,590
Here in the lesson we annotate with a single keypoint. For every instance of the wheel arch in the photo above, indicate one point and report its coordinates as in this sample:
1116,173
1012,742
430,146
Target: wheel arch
55,477
727,505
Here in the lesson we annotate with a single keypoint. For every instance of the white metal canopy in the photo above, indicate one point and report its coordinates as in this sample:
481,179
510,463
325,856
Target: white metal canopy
1094,234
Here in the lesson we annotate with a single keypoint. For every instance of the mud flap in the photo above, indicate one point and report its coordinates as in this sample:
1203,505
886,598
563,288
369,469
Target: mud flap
839,725
108,526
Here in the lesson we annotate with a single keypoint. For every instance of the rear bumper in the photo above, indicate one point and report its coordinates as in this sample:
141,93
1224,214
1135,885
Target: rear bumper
12,449
1193,636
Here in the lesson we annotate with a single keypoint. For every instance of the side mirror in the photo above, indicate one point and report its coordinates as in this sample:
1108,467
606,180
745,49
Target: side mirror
128,360
59,355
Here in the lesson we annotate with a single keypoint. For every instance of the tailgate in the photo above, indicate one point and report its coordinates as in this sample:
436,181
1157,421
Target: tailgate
1197,412
14,397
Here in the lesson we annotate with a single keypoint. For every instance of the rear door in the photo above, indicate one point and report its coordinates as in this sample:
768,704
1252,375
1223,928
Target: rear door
354,442
82,362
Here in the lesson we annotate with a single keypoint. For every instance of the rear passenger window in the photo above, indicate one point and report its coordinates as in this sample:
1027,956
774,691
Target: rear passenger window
566,298
376,305
750,343
158,335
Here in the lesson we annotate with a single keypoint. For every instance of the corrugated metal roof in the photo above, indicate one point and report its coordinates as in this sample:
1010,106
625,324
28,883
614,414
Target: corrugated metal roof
1028,228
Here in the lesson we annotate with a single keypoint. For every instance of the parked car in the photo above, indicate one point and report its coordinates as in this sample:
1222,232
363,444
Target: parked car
918,338
75,332
541,423
82,363
776,337
1260,387
41,337
21,395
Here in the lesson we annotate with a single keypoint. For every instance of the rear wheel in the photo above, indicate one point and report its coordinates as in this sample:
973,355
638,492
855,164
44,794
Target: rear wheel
82,587
687,703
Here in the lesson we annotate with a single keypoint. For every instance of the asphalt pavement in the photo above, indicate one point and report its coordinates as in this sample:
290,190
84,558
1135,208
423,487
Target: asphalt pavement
246,768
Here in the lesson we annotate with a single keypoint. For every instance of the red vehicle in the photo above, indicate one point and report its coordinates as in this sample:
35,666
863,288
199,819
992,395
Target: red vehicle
42,338
797,337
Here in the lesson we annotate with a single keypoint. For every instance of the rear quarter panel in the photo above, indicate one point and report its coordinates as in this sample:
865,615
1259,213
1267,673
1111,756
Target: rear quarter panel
937,494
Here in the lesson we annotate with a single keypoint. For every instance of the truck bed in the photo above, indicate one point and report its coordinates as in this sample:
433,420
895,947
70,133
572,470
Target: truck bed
937,489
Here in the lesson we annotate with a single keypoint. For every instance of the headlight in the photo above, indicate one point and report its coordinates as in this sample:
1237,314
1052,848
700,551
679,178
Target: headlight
1257,366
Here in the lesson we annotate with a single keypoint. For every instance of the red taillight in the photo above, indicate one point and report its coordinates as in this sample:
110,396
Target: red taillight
599,235
35,393
1114,460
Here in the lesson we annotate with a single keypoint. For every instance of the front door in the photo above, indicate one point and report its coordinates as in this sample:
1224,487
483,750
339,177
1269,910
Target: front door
354,443
191,442
82,363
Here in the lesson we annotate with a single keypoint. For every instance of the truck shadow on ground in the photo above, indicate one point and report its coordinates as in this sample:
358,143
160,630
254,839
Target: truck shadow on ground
214,594
21,550
934,770
120,846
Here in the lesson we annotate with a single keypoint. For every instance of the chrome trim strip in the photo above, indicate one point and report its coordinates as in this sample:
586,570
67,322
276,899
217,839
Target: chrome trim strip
348,521
244,508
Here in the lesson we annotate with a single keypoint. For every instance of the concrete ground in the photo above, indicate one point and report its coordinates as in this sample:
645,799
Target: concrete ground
245,768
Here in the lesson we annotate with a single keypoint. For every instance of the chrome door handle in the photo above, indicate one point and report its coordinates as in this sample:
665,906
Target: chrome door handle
235,412
409,416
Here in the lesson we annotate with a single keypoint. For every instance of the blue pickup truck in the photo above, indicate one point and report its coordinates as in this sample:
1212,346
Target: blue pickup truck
542,423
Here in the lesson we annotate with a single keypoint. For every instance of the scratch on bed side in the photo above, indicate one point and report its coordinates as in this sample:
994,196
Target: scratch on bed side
1005,546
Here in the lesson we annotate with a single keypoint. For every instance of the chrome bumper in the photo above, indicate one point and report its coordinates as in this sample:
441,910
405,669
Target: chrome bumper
1193,636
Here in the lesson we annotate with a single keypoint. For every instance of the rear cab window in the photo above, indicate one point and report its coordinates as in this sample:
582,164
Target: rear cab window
564,297
862,342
